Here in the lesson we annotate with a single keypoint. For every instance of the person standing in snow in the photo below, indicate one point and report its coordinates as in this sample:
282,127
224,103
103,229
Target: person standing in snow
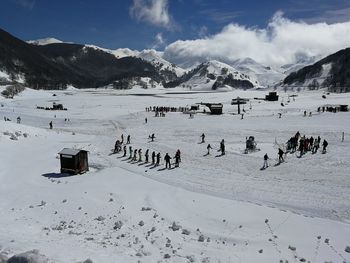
266,157
128,140
124,150
203,137
50,124
208,148
167,159
222,147
324,144
177,158
135,155
158,159
146,120
280,155
152,137
146,155
130,152
140,155
122,139
153,157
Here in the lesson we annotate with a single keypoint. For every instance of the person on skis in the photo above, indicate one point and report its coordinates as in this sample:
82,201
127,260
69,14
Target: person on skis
146,155
222,147
324,144
266,157
203,137
208,148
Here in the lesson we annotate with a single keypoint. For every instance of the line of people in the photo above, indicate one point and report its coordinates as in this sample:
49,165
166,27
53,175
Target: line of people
137,156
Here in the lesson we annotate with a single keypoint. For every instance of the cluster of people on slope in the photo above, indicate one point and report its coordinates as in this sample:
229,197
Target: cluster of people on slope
301,144
137,155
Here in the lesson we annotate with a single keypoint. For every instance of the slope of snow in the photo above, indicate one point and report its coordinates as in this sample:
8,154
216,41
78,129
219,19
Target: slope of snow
211,209
45,41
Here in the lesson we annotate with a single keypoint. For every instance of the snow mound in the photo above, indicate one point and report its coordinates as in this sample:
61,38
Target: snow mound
45,41
32,256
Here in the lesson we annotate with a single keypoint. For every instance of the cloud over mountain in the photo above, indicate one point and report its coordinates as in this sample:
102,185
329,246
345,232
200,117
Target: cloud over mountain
283,41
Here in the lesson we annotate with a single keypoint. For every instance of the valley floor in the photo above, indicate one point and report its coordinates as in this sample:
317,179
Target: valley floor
211,209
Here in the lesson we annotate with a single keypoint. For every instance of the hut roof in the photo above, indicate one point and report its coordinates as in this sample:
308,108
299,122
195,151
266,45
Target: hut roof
68,151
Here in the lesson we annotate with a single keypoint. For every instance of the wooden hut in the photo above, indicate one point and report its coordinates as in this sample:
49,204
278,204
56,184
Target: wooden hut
74,161
272,96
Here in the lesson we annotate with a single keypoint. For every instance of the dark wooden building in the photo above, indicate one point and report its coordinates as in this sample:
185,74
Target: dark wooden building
272,96
74,161
215,108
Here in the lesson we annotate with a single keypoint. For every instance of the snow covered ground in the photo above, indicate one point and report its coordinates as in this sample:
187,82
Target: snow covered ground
211,209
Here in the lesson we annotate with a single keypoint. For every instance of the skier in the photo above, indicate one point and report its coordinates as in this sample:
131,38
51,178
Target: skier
266,157
146,155
128,140
122,141
153,157
145,120
222,147
135,155
152,137
177,158
158,159
167,161
203,137
140,155
18,119
208,148
324,144
50,124
124,150
130,152
280,155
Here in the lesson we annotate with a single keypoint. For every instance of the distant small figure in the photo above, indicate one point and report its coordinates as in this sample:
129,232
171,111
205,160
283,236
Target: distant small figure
279,115
208,148
140,155
203,138
177,158
130,152
324,144
310,114
128,140
135,155
50,124
145,120
222,147
242,115
280,155
122,139
18,120
152,137
167,159
146,155
153,157
266,157
158,159
124,151
117,147
305,113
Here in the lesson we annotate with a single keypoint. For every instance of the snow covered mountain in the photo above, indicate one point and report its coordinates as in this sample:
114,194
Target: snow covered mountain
213,75
332,72
45,41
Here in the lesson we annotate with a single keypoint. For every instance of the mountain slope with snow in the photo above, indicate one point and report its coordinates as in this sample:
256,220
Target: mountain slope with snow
45,41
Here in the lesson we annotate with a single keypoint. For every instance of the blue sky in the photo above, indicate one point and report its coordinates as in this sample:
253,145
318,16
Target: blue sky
136,23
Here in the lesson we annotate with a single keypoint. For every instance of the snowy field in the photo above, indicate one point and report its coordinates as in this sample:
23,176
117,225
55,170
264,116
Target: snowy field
211,209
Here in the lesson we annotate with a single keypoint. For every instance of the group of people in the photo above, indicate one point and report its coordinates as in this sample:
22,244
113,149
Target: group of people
304,144
301,144
136,155
166,109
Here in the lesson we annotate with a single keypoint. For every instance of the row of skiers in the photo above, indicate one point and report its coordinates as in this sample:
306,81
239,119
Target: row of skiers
119,143
166,109
304,144
136,156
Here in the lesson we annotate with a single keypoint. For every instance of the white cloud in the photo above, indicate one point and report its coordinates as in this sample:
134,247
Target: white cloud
281,42
155,12
158,41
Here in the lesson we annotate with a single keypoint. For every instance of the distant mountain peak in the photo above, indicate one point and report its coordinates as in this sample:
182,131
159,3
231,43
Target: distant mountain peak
45,41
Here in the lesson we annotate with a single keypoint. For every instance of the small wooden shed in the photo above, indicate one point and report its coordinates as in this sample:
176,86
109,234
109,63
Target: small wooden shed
272,96
74,161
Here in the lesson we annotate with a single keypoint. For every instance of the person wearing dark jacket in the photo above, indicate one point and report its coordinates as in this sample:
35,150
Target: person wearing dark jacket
203,137
124,150
208,148
167,159
324,144
146,155
153,157
266,157
280,155
158,159
222,147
